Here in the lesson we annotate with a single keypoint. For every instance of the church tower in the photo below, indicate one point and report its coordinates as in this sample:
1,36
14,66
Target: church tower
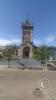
25,49
27,28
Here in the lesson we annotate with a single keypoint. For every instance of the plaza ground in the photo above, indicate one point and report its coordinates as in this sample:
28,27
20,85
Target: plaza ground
18,84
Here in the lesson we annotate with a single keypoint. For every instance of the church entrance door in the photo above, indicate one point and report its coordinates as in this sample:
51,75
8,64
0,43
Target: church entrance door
26,52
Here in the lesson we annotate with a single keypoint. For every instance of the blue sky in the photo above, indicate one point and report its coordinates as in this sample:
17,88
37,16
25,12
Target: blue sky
42,13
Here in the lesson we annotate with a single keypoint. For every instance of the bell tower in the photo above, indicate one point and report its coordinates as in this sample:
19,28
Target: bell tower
27,29
25,50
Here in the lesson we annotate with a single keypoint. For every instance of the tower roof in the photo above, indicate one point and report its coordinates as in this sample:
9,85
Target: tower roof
27,23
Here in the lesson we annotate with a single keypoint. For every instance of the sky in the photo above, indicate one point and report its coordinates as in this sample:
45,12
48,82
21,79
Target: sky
42,13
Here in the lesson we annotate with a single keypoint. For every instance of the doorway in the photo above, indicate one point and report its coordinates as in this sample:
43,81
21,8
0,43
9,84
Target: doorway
26,52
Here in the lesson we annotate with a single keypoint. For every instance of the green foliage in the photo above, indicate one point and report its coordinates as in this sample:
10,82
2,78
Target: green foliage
9,52
41,53
35,53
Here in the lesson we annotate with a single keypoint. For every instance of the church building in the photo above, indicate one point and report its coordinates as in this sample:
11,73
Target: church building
25,50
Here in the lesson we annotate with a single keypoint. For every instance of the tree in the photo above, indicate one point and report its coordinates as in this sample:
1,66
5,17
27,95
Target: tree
9,53
35,53
42,53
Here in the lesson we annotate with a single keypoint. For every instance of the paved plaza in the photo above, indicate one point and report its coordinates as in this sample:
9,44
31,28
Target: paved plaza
24,84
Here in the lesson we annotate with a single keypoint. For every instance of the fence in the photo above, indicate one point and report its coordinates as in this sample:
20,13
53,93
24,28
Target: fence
21,63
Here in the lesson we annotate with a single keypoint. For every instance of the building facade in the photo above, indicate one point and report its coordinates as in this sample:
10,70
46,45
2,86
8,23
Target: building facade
25,50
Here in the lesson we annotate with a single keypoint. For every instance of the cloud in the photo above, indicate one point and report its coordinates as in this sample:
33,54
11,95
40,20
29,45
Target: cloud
49,40
4,42
37,42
